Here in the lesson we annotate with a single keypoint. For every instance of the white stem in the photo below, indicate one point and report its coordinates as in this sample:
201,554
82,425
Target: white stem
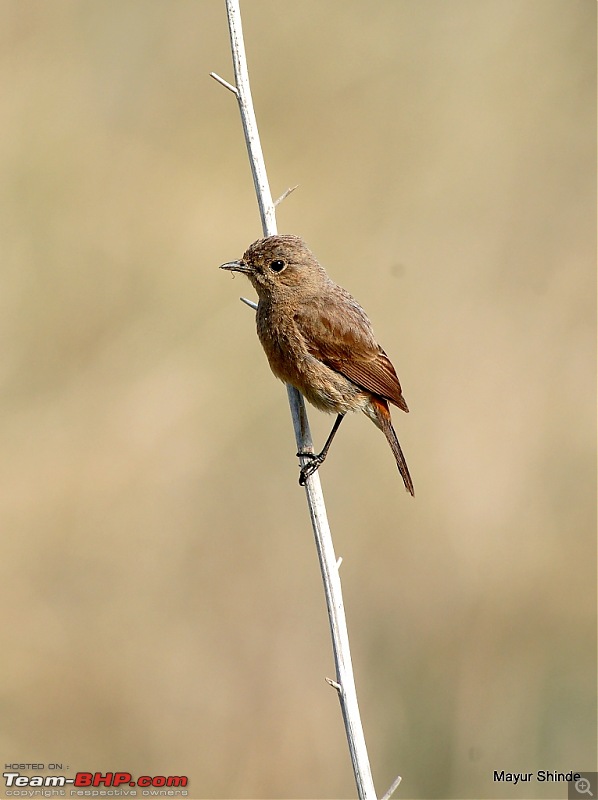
345,683
252,137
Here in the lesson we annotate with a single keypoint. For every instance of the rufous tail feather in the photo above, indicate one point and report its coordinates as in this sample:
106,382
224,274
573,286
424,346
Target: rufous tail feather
384,423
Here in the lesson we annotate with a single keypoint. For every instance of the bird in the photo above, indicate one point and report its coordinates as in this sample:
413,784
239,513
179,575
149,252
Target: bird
318,339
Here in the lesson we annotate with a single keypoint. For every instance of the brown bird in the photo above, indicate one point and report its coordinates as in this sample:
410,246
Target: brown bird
318,339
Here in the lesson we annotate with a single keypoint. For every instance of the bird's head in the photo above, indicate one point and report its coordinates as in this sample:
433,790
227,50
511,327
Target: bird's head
279,266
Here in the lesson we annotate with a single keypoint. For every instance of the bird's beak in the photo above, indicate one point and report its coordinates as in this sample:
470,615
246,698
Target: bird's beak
237,266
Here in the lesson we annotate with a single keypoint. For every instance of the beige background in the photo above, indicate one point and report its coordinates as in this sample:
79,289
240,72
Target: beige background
162,606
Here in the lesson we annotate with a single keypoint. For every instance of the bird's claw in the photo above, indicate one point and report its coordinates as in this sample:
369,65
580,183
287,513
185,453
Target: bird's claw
308,469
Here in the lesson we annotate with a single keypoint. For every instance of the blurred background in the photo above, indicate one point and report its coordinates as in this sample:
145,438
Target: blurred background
163,609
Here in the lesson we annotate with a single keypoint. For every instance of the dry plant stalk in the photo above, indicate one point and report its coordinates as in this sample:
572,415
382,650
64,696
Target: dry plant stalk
329,565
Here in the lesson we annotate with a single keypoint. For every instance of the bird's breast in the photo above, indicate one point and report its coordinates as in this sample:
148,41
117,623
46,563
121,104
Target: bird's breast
281,340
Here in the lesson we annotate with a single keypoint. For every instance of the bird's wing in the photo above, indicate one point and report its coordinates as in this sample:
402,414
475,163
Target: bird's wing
343,340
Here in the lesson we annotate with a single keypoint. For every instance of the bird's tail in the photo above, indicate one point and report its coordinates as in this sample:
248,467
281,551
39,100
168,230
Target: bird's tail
381,417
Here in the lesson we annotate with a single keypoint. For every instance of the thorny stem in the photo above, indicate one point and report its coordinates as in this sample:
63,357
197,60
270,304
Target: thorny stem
329,565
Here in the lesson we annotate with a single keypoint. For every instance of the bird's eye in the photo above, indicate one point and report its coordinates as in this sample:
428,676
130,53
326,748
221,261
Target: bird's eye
277,266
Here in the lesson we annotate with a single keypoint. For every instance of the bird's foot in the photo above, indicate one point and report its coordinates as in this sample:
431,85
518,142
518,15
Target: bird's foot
315,460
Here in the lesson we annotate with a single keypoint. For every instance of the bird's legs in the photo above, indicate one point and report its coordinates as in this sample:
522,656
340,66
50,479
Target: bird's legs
317,459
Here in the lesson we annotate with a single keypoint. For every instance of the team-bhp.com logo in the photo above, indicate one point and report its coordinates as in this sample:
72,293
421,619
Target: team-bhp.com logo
93,780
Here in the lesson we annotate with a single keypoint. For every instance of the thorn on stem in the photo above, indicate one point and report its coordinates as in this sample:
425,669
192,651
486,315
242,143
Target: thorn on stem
393,788
334,684
285,194
224,83
250,303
